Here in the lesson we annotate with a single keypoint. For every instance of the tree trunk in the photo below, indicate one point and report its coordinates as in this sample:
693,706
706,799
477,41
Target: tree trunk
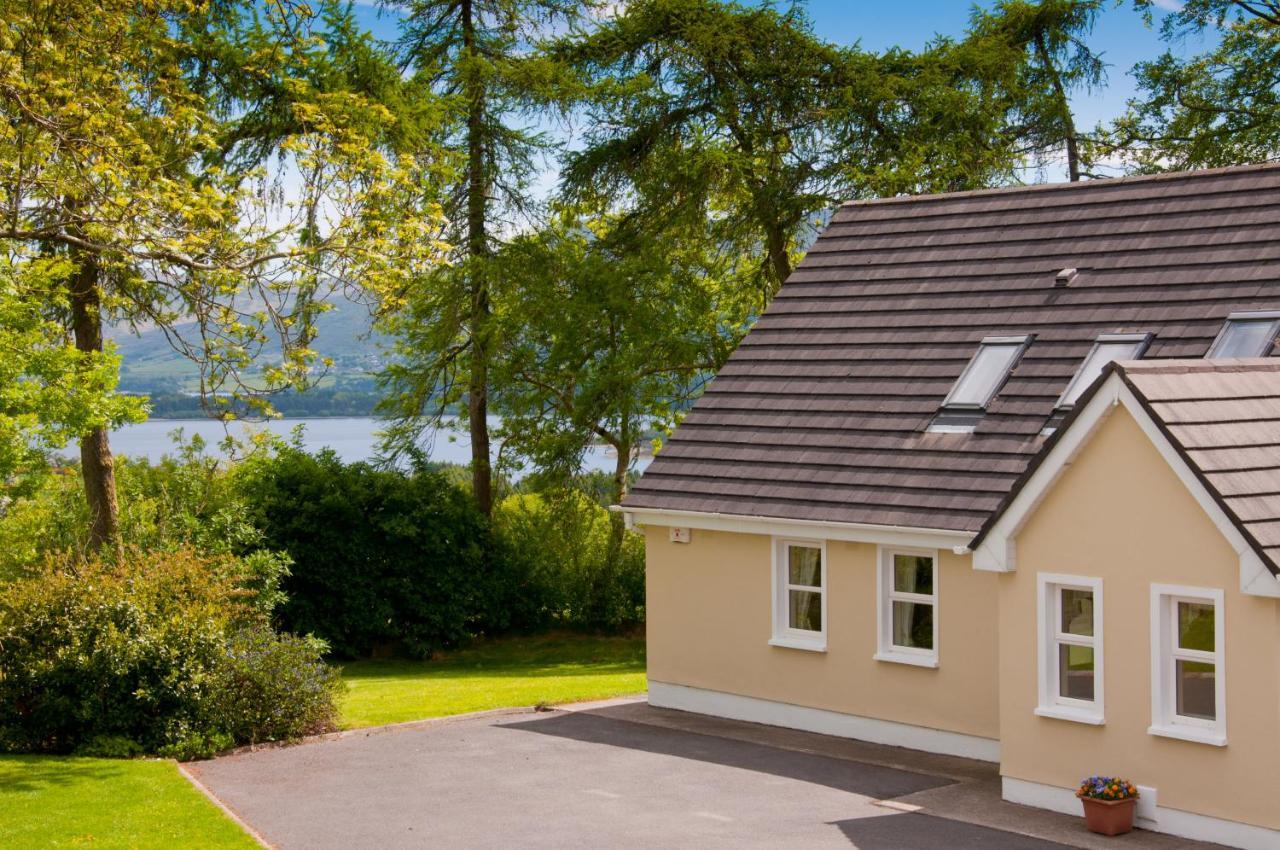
1064,107
477,250
96,464
779,259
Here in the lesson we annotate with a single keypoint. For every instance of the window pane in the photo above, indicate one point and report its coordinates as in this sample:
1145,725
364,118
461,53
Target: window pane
1077,612
804,566
1197,693
913,625
1195,626
1102,354
806,610
1245,338
1075,671
913,574
987,369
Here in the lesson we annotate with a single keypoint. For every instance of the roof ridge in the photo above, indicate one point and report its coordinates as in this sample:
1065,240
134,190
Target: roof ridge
1187,366
1082,185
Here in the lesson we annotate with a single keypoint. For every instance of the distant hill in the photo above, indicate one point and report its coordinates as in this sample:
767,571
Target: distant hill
150,365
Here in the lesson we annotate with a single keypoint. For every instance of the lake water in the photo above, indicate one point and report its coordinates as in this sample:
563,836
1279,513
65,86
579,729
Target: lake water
352,438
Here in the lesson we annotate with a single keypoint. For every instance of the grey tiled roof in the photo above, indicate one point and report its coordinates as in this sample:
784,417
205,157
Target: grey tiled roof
1223,417
822,411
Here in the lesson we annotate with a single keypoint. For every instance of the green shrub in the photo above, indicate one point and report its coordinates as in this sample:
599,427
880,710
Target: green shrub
274,687
92,654
185,501
383,560
590,578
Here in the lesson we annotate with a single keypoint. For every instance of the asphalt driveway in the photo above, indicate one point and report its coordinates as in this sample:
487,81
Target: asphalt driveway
579,779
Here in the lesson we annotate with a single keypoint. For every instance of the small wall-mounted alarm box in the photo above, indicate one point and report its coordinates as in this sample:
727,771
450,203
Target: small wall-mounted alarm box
681,535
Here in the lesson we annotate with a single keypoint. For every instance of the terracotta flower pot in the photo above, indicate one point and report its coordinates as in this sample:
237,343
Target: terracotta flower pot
1108,817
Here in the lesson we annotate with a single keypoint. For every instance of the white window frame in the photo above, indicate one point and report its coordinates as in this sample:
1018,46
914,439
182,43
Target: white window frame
783,634
1052,703
1248,316
1020,342
1142,341
886,649
1165,652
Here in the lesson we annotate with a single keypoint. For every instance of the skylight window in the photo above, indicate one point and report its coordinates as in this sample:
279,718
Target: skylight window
1246,335
986,372
1106,348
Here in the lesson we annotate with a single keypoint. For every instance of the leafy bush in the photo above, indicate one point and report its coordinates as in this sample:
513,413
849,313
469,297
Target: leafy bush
274,687
93,655
591,578
384,560
185,501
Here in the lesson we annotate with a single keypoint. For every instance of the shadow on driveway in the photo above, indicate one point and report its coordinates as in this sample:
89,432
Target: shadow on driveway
880,783
924,832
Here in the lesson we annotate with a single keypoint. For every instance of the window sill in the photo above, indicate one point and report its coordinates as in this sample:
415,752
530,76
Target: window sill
1075,715
907,658
1194,734
808,644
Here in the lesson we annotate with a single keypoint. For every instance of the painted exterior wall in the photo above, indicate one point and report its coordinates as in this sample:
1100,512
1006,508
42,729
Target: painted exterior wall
1119,513
710,607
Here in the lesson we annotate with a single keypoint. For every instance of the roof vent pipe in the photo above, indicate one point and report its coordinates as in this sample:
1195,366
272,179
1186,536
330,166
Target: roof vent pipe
1064,277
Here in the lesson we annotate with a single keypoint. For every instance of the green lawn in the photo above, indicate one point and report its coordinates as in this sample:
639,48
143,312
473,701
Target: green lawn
494,674
47,801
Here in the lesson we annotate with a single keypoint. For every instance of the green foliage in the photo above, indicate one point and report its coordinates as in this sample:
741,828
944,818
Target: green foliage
1050,37
165,650
592,580
609,336
383,559
708,114
50,393
136,144
263,671
186,500
476,56
1221,107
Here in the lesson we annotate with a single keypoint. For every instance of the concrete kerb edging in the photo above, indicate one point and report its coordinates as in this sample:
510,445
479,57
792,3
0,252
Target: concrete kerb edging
224,808
426,723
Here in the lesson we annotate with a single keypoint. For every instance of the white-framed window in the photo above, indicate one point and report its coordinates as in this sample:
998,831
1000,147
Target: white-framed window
1188,682
1246,335
1070,647
1106,348
907,614
800,594
986,372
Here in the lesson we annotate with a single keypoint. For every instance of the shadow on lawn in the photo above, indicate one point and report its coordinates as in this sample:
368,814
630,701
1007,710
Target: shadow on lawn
840,774
36,772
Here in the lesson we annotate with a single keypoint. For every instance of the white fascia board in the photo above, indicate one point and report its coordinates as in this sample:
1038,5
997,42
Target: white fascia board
927,538
998,551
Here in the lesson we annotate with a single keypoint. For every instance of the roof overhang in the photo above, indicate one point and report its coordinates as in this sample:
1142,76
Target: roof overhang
995,547
892,535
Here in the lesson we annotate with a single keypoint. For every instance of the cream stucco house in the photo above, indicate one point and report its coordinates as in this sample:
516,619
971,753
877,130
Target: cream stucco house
998,475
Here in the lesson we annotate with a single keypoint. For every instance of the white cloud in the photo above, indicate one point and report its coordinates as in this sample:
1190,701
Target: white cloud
1168,5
